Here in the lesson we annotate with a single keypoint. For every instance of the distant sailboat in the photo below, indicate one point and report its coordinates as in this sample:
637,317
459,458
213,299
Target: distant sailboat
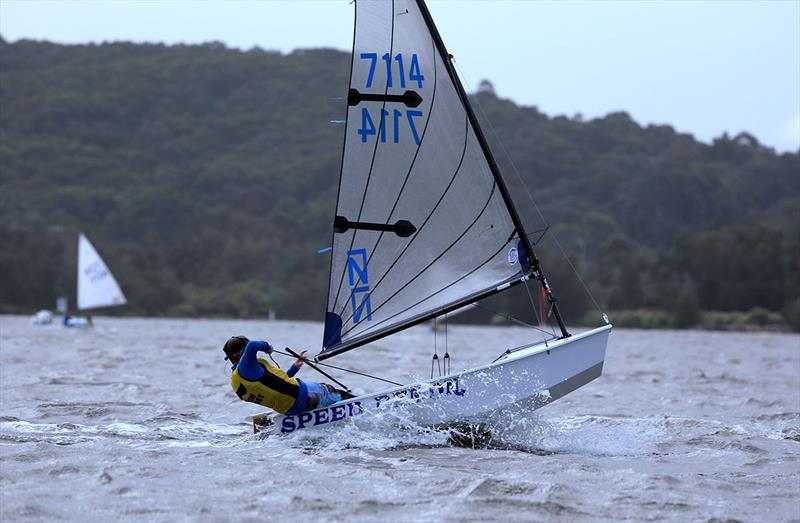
424,226
97,287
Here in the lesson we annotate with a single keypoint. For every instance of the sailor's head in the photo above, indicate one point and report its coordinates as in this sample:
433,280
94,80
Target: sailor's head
234,347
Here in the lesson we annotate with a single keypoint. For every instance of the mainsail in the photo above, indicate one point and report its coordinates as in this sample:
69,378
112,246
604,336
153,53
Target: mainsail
96,285
424,223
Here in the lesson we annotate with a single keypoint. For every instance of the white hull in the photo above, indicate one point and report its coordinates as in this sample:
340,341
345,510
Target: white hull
531,377
76,321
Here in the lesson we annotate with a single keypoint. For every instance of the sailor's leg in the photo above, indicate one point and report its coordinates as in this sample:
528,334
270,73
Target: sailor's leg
333,395
315,394
343,393
322,395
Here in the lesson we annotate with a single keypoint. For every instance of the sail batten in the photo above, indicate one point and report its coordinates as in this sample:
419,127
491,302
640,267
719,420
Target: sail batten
433,227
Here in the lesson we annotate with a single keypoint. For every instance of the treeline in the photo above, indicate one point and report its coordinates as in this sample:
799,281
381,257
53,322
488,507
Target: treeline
206,177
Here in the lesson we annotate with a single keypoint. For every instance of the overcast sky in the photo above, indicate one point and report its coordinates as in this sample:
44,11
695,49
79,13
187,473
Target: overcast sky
702,67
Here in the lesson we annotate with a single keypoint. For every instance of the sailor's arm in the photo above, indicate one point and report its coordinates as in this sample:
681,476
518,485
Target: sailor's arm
297,364
249,367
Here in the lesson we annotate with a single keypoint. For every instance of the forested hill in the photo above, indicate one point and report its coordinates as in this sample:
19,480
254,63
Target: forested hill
206,177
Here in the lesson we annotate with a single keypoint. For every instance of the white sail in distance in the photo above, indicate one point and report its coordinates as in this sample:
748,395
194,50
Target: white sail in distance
423,220
96,285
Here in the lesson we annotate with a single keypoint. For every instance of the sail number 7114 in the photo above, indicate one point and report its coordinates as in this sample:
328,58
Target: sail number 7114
368,124
376,124
414,73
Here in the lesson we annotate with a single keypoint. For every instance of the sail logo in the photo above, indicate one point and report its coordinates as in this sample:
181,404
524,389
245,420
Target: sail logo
359,284
96,271
513,256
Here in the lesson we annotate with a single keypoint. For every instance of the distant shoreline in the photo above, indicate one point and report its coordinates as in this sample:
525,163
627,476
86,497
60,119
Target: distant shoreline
621,320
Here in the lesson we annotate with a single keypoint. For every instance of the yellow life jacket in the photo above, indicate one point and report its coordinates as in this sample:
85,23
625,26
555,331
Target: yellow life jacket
275,389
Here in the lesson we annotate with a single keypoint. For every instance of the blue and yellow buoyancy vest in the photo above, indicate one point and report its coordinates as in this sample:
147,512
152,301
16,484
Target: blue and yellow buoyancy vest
274,389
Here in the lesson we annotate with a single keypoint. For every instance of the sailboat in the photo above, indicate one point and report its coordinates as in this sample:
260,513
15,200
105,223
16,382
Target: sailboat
97,287
426,225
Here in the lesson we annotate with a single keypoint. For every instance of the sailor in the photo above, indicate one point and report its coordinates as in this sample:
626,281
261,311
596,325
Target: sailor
257,381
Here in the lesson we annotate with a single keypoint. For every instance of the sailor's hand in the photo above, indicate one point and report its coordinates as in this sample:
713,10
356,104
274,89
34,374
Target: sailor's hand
301,359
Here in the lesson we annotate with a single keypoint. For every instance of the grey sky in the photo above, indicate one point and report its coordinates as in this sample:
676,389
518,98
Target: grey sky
702,67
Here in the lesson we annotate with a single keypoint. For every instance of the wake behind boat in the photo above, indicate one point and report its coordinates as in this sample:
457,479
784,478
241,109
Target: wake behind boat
425,225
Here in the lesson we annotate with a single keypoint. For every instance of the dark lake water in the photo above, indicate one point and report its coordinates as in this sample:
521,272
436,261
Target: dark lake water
134,420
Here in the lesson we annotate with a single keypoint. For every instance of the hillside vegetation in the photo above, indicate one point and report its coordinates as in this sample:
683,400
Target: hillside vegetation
206,177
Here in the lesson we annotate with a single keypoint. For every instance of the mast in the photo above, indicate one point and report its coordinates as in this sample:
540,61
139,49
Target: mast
450,261
526,243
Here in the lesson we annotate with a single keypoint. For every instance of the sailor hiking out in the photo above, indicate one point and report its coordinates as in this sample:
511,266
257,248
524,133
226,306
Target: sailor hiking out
257,381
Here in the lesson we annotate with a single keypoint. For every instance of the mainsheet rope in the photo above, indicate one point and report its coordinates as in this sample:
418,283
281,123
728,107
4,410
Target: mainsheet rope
344,369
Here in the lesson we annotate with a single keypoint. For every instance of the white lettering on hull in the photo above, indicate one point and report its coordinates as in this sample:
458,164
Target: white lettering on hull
415,394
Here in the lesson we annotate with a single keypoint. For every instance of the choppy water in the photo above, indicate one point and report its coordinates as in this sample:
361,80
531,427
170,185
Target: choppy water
134,421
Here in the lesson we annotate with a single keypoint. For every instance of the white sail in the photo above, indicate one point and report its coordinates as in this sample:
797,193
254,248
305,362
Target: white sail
96,285
422,222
